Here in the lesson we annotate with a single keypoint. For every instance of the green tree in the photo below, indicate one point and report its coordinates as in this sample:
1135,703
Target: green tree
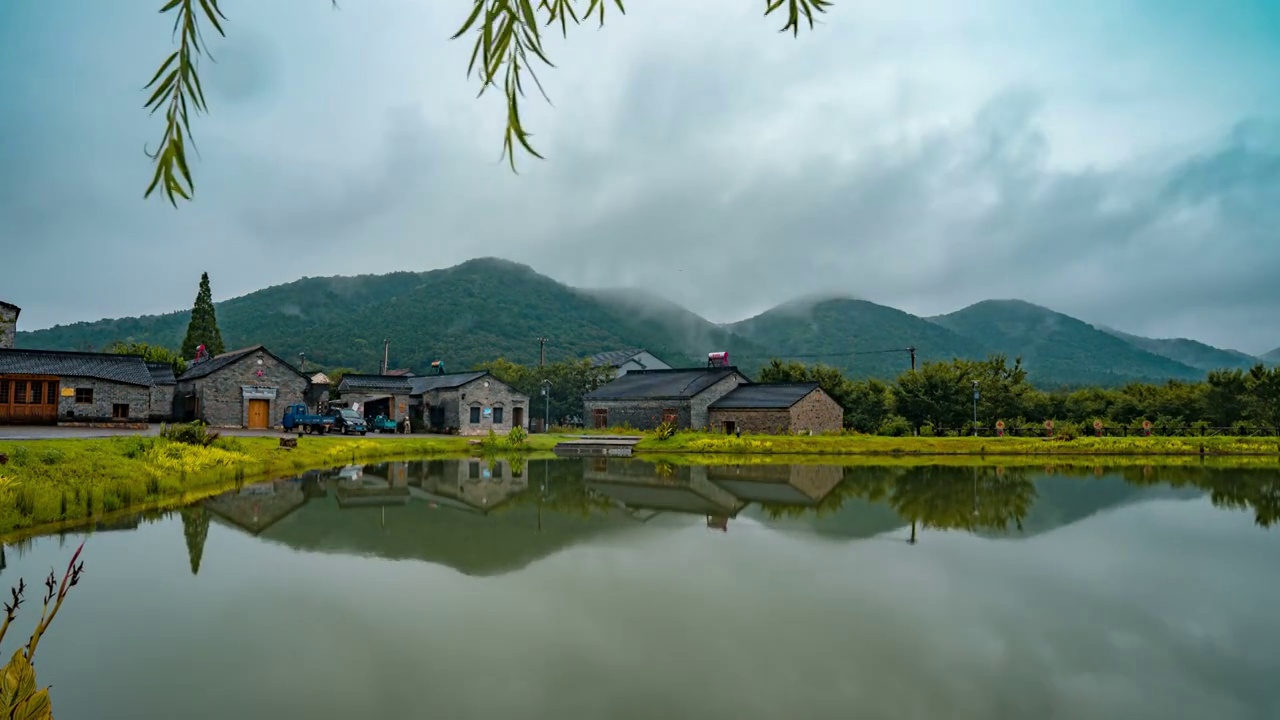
1263,386
203,328
567,381
508,45
195,526
152,353
939,393
1225,397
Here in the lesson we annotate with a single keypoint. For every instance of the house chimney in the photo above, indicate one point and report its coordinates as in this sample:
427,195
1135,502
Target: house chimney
8,324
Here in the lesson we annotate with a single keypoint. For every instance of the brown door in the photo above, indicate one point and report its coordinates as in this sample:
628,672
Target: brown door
259,414
30,400
517,417
602,418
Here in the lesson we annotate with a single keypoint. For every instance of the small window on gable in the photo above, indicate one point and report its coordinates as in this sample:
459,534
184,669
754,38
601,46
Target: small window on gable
84,396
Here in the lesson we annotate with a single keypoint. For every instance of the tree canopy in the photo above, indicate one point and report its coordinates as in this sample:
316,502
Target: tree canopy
203,328
508,45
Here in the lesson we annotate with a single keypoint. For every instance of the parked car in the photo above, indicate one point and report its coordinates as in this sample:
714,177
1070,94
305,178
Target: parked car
348,421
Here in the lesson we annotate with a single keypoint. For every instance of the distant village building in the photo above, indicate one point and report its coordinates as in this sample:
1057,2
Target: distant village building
624,361
470,403
163,389
248,388
53,386
776,409
643,399
377,394
8,324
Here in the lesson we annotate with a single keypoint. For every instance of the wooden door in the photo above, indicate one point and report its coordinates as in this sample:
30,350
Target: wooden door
601,416
29,400
517,417
259,414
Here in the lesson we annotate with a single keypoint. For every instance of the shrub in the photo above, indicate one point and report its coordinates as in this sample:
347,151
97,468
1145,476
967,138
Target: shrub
517,437
666,430
193,433
926,430
895,426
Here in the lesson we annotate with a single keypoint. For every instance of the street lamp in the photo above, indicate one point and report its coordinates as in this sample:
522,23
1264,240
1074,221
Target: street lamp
546,399
975,408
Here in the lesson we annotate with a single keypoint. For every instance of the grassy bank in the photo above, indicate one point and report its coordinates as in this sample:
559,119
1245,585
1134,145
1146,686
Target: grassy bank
874,445
1038,462
73,480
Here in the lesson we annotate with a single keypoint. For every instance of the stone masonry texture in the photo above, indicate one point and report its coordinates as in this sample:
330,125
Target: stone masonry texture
222,401
815,412
106,395
483,392
8,324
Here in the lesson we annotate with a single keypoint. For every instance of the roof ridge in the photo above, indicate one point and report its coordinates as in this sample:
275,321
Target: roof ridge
77,353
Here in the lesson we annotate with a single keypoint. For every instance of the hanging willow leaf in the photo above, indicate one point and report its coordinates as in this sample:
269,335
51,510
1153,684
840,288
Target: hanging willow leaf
176,90
506,32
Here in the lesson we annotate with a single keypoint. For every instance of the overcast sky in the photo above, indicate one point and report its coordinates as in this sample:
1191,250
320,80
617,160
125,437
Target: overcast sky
1118,160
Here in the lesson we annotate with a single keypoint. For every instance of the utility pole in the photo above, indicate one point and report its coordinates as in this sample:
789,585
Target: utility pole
913,357
975,408
386,354
542,351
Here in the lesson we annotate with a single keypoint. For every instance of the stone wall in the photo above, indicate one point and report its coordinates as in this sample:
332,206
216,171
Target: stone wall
106,395
647,414
162,406
222,397
8,324
816,413
487,392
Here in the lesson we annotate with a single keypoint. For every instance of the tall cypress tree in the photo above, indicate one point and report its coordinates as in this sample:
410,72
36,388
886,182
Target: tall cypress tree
195,526
203,329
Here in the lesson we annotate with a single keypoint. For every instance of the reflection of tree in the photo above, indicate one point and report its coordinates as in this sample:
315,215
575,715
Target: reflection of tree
195,526
558,486
943,498
1256,489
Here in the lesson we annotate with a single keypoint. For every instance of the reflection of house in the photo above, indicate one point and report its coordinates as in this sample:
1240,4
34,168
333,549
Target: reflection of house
475,484
471,403
624,361
256,507
803,485
242,388
777,409
377,394
373,486
638,487
643,399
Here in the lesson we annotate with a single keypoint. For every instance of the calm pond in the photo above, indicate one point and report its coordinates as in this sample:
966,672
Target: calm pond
623,589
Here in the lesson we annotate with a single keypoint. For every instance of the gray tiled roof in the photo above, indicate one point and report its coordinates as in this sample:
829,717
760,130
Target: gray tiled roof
216,363
613,358
449,381
162,373
661,384
394,384
761,396
126,369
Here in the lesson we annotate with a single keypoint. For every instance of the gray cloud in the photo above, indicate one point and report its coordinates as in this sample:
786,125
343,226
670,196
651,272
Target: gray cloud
923,156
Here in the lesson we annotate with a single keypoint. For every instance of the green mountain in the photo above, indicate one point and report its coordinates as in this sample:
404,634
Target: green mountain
1058,349
862,338
488,308
1272,357
1189,352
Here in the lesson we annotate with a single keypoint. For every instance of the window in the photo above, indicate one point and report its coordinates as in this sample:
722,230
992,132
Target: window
51,396
497,416
473,471
84,396
4,392
20,392
120,411
475,414
669,415
497,471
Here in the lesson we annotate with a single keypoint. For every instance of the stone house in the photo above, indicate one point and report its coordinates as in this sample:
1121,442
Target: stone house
8,324
247,388
58,387
643,399
470,403
777,409
163,387
377,394
624,361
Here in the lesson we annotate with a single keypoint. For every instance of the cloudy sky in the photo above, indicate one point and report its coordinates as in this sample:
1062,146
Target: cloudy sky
1118,160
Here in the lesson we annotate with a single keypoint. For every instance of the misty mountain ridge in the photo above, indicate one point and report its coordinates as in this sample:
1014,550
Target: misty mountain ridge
488,308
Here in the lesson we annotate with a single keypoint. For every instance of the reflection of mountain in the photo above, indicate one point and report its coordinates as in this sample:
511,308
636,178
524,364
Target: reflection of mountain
1064,500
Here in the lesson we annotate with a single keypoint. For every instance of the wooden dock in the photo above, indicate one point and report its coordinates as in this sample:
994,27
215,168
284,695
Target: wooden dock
597,446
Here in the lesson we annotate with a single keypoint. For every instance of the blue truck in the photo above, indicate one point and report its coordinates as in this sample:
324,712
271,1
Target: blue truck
299,418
